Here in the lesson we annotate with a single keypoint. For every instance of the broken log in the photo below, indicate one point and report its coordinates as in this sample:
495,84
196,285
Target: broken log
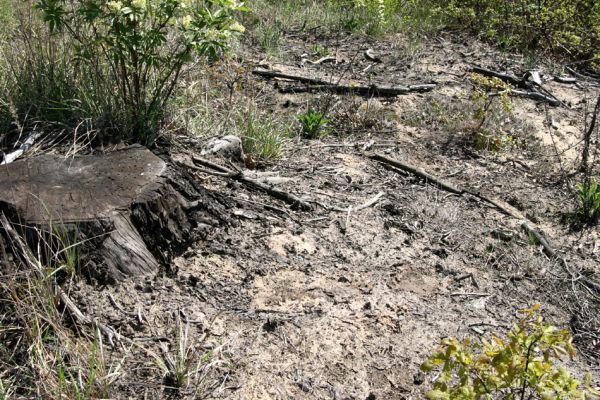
347,87
127,210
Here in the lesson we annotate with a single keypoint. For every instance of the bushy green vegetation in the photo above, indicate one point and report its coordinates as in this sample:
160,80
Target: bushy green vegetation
263,136
521,366
114,64
570,27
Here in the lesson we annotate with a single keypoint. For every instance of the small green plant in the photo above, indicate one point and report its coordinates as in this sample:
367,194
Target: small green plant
313,123
518,367
66,256
269,37
588,194
184,364
263,137
490,114
319,50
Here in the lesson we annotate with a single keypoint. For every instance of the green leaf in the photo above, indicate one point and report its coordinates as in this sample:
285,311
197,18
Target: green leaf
437,395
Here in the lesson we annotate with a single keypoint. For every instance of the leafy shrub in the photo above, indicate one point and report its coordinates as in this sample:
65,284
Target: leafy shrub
521,366
313,124
570,27
139,47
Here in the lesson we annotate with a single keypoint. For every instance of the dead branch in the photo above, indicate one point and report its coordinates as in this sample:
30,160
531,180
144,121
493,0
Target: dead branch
416,171
502,206
289,198
533,95
522,83
565,79
10,157
322,60
513,80
367,90
588,137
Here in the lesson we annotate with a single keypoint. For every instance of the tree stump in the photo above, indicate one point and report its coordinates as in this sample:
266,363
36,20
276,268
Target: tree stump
131,210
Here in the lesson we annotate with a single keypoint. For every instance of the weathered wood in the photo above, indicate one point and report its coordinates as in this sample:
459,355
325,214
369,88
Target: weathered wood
129,209
289,198
533,95
343,87
416,171
513,80
27,143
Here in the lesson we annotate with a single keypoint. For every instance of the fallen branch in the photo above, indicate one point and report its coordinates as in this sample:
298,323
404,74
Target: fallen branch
531,94
322,60
502,206
565,79
522,83
416,171
513,80
370,203
10,157
368,90
289,198
79,317
471,294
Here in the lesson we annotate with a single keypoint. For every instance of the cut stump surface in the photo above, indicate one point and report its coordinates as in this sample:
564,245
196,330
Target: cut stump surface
132,210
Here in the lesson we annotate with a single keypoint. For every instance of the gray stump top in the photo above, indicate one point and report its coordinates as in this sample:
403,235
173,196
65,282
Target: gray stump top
50,187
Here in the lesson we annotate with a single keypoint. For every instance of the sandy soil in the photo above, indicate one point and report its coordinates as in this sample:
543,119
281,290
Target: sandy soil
282,304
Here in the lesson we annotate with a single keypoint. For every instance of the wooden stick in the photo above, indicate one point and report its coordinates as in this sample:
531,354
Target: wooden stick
416,171
526,225
370,90
531,94
289,198
519,82
513,80
10,157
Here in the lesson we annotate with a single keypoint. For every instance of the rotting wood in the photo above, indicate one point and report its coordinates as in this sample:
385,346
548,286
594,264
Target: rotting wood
78,316
500,205
222,171
127,210
367,90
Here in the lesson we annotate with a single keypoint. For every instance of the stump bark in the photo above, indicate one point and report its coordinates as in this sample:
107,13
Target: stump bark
131,210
